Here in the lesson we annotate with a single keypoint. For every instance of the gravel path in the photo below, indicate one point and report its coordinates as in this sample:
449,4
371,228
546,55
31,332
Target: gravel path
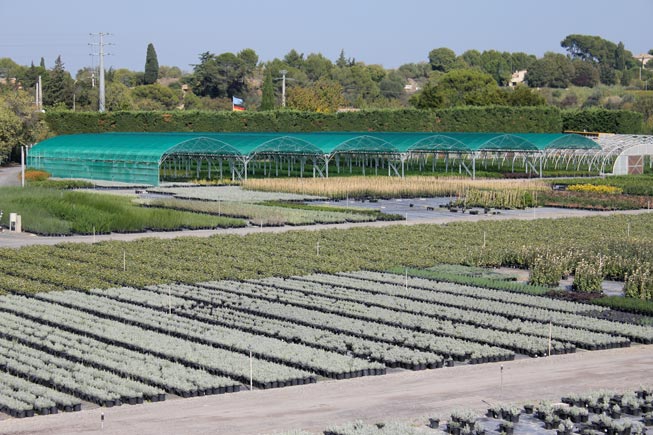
402,395
13,240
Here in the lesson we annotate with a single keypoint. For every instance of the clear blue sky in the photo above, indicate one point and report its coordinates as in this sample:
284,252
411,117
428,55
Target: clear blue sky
383,32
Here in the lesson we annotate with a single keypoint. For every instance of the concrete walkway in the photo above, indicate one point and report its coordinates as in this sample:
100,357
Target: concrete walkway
403,395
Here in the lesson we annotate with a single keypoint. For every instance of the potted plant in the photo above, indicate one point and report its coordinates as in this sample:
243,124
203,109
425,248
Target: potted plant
494,412
615,411
434,422
648,419
507,427
565,427
528,408
453,427
512,413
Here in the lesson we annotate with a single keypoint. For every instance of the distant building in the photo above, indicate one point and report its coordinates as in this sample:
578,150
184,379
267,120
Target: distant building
411,87
11,81
517,77
643,58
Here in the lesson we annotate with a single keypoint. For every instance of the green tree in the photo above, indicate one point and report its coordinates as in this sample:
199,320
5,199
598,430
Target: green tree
459,88
521,61
323,96
341,62
472,58
495,64
523,96
224,75
170,72
620,57
553,70
415,70
155,97
19,123
585,74
10,69
392,85
58,88
442,59
151,66
358,84
118,97
316,66
267,99
294,59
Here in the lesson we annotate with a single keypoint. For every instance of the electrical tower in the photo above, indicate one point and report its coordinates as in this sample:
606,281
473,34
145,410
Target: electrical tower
101,53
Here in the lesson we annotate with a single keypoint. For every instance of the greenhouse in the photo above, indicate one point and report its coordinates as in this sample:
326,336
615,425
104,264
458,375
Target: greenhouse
150,157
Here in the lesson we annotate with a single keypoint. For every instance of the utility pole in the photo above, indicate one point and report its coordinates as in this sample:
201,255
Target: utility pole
39,94
101,54
283,87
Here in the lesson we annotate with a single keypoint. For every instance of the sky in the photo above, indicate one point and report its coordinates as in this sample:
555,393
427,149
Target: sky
385,32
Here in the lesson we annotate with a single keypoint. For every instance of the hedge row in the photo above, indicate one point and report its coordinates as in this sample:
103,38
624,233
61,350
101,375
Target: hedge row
467,119
602,120
470,119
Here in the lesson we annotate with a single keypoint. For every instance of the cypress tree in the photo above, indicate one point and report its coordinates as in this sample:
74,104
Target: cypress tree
57,88
267,99
151,66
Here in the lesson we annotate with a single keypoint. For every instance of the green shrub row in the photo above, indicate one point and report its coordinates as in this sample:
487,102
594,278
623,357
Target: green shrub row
480,119
492,283
602,120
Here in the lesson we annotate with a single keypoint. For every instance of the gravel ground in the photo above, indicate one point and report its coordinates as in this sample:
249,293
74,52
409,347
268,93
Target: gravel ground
402,395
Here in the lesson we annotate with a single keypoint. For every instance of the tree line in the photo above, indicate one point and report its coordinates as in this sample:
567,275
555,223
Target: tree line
594,72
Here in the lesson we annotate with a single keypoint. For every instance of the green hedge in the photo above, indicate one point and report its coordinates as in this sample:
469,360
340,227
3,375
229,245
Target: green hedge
602,120
471,119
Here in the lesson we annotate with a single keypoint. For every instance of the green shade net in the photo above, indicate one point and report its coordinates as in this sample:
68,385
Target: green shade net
137,157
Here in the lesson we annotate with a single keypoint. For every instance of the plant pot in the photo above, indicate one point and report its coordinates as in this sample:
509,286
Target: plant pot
528,409
434,423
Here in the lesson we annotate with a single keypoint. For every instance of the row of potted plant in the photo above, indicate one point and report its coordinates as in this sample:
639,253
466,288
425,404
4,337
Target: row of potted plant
369,336
85,382
365,311
533,315
464,289
272,349
171,376
215,360
386,310
505,307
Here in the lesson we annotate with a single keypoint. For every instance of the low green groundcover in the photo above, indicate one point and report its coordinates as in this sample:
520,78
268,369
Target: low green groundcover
60,212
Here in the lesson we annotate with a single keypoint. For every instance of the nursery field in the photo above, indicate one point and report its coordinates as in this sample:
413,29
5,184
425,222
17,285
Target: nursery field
127,345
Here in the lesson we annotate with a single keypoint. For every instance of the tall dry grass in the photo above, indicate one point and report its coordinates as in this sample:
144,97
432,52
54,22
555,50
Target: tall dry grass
388,187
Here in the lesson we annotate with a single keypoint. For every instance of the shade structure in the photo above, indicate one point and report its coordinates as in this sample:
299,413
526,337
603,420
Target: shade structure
137,157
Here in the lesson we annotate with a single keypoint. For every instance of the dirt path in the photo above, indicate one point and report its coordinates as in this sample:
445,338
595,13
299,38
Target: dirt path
12,240
402,395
